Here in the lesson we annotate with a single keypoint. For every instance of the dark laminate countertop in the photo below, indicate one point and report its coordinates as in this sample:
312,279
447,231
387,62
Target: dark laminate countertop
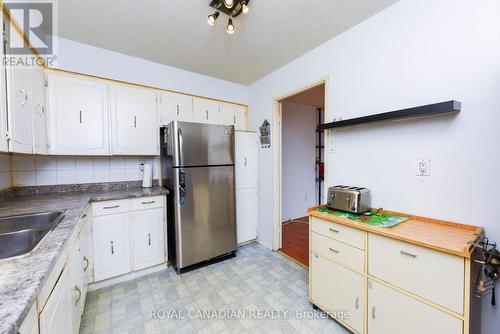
21,279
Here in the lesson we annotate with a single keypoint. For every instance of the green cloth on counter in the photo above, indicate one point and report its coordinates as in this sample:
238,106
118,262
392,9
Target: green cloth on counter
375,219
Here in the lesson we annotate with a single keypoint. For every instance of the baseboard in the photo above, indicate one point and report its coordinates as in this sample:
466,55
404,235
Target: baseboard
127,277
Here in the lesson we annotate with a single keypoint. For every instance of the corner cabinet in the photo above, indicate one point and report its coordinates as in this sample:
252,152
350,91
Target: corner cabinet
134,123
78,114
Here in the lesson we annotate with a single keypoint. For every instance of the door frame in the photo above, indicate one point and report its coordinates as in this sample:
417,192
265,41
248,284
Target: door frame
277,151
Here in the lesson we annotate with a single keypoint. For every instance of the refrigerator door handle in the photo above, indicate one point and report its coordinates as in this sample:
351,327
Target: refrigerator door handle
180,143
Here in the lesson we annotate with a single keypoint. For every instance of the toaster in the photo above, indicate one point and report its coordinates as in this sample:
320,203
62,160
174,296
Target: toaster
349,199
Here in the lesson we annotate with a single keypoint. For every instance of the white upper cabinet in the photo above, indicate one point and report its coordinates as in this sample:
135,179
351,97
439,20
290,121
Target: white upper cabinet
134,120
19,104
40,135
233,114
78,115
205,111
175,107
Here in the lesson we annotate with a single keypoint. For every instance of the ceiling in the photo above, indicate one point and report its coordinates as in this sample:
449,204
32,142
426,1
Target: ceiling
176,33
314,97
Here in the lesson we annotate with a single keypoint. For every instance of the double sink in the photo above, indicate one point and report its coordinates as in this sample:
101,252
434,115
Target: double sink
21,234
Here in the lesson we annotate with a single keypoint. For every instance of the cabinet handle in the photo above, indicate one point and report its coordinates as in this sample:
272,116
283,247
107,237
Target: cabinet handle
149,239
234,120
246,161
373,312
111,207
81,117
334,230
86,266
112,248
177,110
22,91
135,121
79,294
84,215
357,303
206,113
405,252
150,202
334,250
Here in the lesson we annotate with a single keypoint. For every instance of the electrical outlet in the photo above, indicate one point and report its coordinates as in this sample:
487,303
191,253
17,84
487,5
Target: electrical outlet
424,167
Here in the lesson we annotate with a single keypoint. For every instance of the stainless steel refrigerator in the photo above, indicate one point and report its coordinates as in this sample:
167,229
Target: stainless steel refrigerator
197,167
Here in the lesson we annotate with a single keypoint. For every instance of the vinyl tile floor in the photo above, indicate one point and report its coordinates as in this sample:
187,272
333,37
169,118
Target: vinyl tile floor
258,291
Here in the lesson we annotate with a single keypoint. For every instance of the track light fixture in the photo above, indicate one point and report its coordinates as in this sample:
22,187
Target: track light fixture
231,8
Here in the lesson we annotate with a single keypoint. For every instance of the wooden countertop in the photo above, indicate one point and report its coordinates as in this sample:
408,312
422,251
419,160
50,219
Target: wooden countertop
444,236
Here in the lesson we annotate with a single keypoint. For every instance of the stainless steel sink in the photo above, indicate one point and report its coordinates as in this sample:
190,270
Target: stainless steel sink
21,234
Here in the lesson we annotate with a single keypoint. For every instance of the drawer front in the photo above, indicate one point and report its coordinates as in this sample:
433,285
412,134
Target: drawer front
435,276
110,207
144,203
345,234
346,255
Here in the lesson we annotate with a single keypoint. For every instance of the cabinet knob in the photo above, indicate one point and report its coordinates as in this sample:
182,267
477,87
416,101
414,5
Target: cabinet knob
373,312
246,161
77,289
411,254
149,239
112,248
334,230
334,250
357,303
81,117
177,110
206,113
86,261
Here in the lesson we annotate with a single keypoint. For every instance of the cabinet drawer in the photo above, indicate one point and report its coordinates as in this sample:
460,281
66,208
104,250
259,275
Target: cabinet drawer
147,203
346,255
345,234
433,275
110,207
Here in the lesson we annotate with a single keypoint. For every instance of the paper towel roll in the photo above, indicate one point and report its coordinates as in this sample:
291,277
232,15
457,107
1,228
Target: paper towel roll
147,176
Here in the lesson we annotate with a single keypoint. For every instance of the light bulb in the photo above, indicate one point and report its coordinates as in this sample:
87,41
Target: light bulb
230,27
245,8
229,3
212,18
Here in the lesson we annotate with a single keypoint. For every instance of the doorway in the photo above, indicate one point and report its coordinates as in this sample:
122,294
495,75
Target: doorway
302,167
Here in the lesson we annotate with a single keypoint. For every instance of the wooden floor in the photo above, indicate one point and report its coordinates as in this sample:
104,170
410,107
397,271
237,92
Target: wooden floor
296,240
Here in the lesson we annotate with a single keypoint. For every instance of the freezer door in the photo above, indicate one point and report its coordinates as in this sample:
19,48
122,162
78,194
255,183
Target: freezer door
205,214
202,144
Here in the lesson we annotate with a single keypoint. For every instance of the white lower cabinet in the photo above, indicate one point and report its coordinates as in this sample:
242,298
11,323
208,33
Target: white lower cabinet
111,245
30,323
390,312
247,208
56,317
148,242
75,285
335,289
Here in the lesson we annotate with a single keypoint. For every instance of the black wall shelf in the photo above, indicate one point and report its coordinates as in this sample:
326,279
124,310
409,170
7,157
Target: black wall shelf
448,107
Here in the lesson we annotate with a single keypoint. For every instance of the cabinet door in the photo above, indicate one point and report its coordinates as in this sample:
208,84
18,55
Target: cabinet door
55,317
19,88
176,107
78,113
205,111
335,288
40,136
86,258
390,311
133,120
246,214
75,283
246,150
3,106
148,238
233,114
111,239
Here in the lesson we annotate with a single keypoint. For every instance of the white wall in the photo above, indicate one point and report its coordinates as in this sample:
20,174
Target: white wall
412,53
298,159
83,58
28,170
5,171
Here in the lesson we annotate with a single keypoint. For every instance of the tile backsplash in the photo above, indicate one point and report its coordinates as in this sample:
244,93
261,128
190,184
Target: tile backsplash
5,171
30,170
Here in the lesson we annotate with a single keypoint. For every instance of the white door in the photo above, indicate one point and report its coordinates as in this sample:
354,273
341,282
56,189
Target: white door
247,208
111,239
148,238
55,317
134,120
335,288
75,283
205,111
86,258
176,107
233,114
40,135
392,312
20,119
78,114
246,150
